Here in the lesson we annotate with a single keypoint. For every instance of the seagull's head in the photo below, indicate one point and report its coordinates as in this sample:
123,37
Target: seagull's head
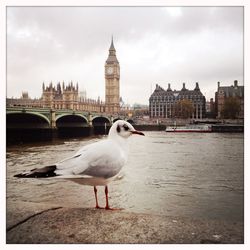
123,129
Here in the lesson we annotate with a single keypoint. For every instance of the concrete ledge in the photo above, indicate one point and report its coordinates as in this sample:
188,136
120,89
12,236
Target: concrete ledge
83,225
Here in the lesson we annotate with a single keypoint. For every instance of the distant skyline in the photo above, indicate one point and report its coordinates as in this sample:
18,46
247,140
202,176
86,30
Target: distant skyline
154,45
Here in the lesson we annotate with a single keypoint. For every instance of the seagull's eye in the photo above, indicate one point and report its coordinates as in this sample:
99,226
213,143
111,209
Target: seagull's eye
118,129
126,128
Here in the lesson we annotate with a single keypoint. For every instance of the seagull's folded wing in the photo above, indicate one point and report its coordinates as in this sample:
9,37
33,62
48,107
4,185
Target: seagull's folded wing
101,159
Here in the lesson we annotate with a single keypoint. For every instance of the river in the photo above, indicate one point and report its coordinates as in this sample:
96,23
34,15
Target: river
183,174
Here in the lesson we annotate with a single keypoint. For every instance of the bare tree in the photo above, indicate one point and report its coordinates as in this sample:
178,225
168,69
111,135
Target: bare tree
183,109
231,108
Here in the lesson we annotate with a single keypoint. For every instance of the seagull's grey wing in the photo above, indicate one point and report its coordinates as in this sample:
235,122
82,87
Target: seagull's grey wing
104,161
64,162
66,166
101,159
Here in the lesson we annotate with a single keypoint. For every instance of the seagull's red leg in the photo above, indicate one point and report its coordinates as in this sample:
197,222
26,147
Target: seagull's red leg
107,201
107,198
96,201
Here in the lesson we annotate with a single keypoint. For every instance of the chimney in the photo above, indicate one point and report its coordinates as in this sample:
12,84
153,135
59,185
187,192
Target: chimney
218,84
169,88
235,83
197,86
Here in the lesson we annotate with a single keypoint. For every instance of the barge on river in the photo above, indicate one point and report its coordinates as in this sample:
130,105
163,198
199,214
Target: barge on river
190,128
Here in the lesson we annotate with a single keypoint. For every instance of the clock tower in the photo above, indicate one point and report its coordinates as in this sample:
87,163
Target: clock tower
112,82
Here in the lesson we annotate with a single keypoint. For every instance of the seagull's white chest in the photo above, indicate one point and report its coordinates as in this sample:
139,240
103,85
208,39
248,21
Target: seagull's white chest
91,181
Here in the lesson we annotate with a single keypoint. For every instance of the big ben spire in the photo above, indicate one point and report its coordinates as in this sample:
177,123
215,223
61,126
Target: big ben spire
112,53
112,47
112,81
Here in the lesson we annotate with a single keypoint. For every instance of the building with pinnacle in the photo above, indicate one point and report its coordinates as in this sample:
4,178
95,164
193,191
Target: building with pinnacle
67,96
112,82
60,97
162,102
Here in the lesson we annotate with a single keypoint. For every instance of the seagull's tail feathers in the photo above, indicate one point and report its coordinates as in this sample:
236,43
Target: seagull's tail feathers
48,171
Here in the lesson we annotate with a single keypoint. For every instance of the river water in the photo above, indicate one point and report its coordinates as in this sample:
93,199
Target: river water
184,174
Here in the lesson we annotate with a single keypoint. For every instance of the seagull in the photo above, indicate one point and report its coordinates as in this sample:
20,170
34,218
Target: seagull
96,164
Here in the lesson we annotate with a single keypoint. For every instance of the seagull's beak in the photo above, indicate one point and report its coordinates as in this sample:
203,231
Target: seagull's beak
137,132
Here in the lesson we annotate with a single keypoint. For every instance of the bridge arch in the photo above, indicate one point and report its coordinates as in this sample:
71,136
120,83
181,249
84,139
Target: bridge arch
71,120
100,120
72,125
101,125
66,114
26,120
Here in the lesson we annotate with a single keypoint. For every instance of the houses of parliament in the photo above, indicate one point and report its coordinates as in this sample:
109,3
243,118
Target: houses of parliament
68,96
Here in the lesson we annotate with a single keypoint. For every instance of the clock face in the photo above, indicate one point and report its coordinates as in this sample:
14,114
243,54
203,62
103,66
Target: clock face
110,70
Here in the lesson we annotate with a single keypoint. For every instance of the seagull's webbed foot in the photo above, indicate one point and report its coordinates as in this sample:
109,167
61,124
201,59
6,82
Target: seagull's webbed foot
97,207
113,208
107,207
107,202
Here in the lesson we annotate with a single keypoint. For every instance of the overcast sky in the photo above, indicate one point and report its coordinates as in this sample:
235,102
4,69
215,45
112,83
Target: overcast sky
154,45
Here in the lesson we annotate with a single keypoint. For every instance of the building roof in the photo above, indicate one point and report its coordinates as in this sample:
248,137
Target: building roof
231,91
159,91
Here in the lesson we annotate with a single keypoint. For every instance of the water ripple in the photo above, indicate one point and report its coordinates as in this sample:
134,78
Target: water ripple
179,175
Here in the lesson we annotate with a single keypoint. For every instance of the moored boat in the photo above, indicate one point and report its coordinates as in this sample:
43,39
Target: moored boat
190,128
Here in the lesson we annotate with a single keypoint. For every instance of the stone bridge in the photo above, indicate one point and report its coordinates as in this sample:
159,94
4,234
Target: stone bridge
22,117
25,124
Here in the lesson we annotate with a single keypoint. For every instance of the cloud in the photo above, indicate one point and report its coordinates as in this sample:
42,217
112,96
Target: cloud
154,45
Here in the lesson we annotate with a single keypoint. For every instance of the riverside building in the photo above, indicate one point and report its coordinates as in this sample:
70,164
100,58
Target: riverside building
162,102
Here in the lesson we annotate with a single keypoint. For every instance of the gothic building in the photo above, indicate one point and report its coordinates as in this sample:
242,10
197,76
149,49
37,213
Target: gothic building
60,97
64,96
112,82
24,101
162,102
67,97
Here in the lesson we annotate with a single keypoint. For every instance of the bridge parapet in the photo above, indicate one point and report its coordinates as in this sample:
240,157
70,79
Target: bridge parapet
51,116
